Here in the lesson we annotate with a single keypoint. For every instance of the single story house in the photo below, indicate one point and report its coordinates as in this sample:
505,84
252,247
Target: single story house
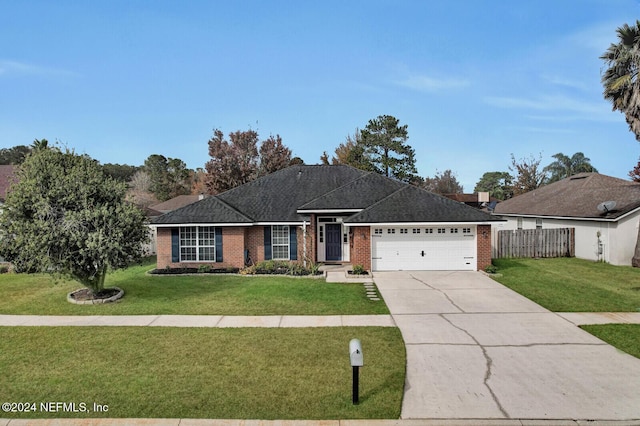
327,213
604,210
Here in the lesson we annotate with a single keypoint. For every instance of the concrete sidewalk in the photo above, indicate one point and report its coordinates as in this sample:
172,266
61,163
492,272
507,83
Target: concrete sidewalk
217,321
274,321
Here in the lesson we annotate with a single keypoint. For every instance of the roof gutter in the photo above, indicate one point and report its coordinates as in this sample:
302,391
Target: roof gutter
421,223
174,225
328,211
594,219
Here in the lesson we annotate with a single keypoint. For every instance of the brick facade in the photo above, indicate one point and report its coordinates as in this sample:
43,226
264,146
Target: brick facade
360,245
234,241
484,246
232,250
254,242
237,239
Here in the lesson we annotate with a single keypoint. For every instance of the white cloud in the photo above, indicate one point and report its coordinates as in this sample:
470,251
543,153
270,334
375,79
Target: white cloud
574,108
566,82
8,68
426,83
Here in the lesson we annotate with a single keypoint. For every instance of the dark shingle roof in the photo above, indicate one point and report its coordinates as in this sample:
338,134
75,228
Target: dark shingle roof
412,204
277,196
209,210
357,194
577,196
272,198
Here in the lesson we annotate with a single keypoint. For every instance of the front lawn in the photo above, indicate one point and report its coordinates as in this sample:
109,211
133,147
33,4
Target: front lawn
625,337
144,372
216,294
573,285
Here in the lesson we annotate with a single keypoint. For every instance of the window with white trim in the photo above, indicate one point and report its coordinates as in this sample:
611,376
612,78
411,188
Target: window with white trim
280,242
404,230
377,231
428,231
197,244
466,230
442,231
391,231
416,230
454,230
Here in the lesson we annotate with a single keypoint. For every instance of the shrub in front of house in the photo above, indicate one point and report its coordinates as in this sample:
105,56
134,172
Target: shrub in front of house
202,269
491,269
280,267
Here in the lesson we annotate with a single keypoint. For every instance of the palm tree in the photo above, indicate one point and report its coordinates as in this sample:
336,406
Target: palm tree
621,85
565,166
620,79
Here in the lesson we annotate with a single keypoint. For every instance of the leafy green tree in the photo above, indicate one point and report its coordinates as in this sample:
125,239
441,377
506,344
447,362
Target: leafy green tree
65,216
169,176
39,144
497,184
120,172
620,78
565,166
384,141
14,155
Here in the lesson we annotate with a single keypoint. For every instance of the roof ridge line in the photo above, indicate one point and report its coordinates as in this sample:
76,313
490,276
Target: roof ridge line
250,219
340,187
406,185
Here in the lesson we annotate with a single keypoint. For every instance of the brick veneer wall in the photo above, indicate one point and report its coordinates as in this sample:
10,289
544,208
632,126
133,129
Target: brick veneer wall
361,246
232,250
234,242
254,242
163,247
484,246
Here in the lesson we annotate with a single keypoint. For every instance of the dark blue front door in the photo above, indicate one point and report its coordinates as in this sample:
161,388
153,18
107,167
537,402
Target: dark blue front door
333,245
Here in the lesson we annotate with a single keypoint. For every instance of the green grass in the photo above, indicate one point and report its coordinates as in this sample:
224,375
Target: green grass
189,295
625,337
202,373
573,285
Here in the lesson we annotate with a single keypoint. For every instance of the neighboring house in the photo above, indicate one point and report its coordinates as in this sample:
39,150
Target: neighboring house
153,212
606,232
479,200
327,214
176,203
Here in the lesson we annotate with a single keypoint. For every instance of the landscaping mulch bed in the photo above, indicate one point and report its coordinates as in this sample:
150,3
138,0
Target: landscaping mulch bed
181,271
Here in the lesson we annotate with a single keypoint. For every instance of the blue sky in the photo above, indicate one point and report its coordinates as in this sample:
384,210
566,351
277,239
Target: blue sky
474,80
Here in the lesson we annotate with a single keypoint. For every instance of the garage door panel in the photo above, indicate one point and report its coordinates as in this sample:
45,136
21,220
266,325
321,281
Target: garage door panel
424,250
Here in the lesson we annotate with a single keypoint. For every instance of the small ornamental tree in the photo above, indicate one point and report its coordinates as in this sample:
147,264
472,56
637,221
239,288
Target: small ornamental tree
65,216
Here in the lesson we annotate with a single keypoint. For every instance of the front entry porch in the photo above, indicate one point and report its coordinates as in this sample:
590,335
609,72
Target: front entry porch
332,240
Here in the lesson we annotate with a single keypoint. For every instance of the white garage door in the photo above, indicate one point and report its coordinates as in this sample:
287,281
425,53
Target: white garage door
444,248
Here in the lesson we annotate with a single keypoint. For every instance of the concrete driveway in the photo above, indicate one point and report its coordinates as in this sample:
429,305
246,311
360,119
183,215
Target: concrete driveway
477,350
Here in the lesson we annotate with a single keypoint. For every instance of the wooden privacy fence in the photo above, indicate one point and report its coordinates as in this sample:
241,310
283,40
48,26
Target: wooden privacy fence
558,242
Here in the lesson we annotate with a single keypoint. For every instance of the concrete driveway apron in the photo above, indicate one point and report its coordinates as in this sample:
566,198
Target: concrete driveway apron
478,350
